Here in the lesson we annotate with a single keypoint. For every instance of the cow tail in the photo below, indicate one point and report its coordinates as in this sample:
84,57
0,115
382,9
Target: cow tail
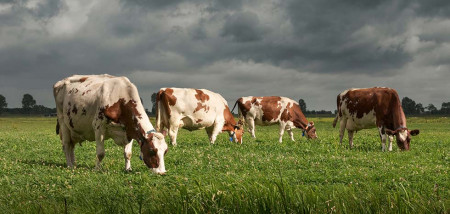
57,127
335,120
234,106
158,112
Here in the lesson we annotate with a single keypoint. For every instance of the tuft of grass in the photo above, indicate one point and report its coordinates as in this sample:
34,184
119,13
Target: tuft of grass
259,176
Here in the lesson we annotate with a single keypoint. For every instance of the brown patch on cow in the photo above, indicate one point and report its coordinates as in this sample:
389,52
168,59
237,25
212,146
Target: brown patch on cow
229,120
83,111
86,92
271,108
167,98
71,123
201,106
245,107
74,109
126,113
285,115
82,79
73,90
202,97
199,120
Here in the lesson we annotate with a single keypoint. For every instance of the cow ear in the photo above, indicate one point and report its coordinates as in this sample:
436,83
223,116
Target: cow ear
389,132
414,132
311,123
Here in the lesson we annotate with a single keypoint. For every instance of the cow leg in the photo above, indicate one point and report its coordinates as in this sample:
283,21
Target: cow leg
217,129
173,131
383,139
350,138
251,127
209,131
342,125
291,134
127,155
100,147
391,138
282,126
68,146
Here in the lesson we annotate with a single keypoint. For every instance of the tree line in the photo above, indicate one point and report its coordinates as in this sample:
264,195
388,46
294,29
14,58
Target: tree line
28,107
410,107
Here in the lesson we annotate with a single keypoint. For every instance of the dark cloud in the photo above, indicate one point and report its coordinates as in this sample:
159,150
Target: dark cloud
243,27
306,49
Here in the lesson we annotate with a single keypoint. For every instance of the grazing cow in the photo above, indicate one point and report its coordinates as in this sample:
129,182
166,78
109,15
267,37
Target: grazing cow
270,110
99,107
194,109
373,107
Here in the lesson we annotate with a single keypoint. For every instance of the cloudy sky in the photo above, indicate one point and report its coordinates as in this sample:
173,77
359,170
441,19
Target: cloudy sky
310,49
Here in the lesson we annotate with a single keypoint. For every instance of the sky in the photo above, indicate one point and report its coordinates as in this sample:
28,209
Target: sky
308,49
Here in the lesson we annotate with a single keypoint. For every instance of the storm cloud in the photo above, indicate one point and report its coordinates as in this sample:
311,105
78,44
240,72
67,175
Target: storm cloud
295,48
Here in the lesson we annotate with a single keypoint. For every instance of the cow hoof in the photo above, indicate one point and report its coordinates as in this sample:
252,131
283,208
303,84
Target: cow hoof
128,170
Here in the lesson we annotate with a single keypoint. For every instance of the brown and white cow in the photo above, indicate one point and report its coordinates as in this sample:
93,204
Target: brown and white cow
194,109
373,107
270,110
99,107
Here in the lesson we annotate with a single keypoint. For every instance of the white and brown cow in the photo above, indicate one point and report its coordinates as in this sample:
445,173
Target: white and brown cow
99,107
373,107
194,109
271,110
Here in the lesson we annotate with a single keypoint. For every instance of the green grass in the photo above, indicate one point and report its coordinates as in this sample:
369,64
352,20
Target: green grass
260,176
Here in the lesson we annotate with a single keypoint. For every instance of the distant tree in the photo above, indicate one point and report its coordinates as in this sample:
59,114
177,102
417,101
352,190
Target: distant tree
408,105
302,105
419,108
28,102
3,103
431,109
445,108
154,103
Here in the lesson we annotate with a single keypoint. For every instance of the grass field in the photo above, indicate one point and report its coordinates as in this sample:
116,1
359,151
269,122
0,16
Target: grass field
260,176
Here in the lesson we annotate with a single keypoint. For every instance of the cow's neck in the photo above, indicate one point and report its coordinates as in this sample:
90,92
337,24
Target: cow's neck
398,116
137,122
300,121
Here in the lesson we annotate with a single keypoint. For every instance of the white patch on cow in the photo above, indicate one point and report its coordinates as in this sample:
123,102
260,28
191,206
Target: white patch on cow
403,134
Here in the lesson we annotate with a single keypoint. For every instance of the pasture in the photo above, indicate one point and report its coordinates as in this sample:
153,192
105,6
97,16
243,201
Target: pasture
260,176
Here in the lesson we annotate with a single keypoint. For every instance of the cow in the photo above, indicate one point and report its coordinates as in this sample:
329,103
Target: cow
194,109
271,110
100,107
373,107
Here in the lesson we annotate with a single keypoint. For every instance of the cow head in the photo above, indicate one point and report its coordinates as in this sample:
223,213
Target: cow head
238,131
153,149
403,136
311,131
